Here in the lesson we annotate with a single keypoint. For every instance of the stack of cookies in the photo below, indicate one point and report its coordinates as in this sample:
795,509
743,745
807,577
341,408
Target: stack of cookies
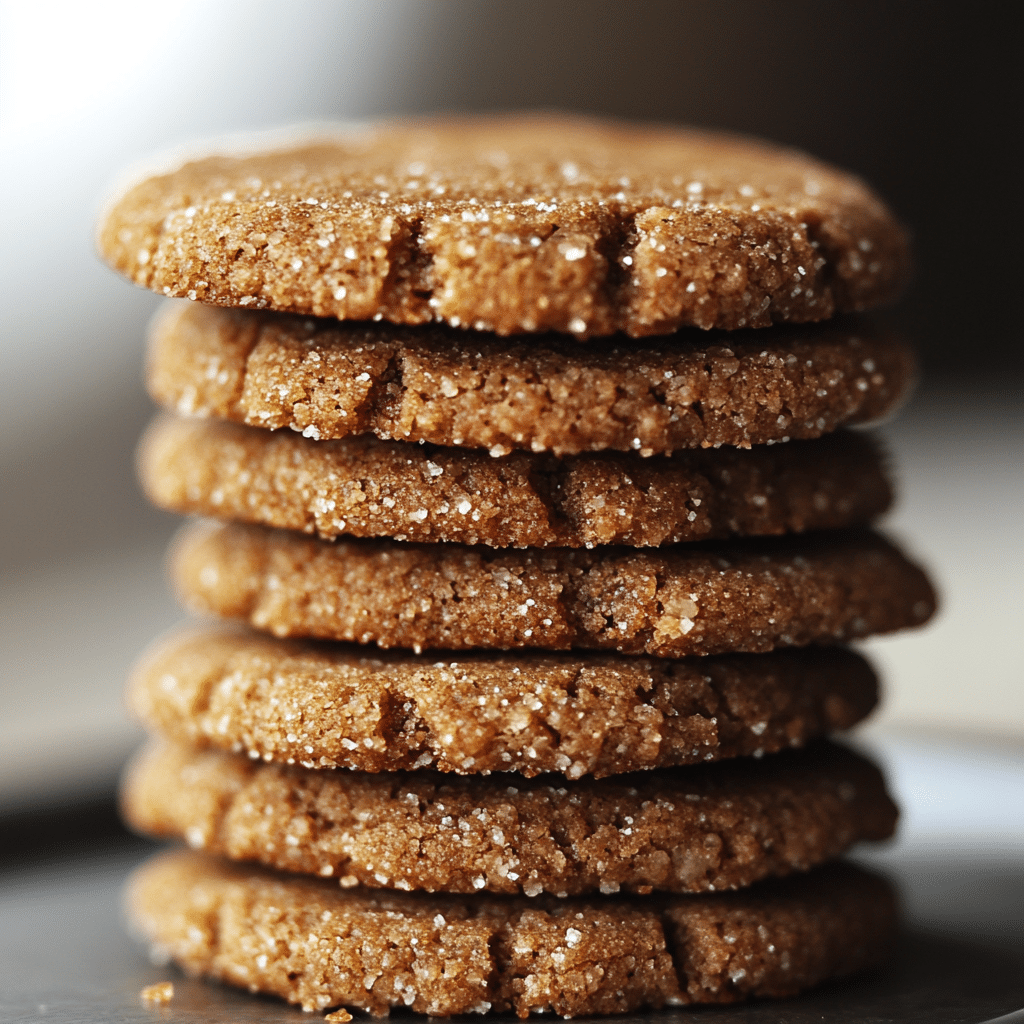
536,624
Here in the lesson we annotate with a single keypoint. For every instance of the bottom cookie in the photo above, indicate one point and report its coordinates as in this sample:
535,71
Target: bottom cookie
318,946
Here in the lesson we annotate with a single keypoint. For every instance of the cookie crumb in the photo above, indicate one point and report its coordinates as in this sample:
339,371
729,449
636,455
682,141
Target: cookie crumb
341,1015
162,993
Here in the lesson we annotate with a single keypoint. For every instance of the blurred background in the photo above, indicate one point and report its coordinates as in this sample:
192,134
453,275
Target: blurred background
922,100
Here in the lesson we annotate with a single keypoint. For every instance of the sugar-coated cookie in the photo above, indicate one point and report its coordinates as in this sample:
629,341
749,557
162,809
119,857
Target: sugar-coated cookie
325,705
364,487
747,596
517,224
465,389
693,829
320,946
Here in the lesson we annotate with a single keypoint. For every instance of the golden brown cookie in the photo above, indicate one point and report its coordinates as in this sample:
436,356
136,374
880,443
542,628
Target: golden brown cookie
317,945
329,380
668,602
334,706
517,224
366,487
695,829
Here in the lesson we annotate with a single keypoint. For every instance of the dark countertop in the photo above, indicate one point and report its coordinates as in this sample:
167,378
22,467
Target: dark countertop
64,956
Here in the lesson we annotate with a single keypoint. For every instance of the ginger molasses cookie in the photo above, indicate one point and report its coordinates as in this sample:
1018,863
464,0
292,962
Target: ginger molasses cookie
333,706
668,602
467,389
695,829
516,224
320,946
366,487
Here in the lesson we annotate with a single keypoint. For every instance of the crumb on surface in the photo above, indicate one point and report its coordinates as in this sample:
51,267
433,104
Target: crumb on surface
162,993
339,1015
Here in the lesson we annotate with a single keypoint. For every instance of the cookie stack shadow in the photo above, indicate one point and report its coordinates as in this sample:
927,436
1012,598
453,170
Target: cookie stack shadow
533,642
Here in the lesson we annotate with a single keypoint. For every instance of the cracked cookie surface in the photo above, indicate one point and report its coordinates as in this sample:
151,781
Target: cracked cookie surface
316,945
750,596
364,487
693,829
465,389
514,225
339,706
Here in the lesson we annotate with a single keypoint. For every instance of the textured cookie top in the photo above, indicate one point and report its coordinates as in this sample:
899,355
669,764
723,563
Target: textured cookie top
697,829
668,602
517,225
333,706
316,945
365,487
330,380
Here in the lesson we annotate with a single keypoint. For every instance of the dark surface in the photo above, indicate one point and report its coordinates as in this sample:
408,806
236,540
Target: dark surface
64,831
64,956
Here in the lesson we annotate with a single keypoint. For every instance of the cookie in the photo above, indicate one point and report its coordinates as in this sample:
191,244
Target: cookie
333,706
668,602
442,386
314,944
696,829
365,487
516,224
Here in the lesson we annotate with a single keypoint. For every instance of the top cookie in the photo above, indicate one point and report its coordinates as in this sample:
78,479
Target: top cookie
517,225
